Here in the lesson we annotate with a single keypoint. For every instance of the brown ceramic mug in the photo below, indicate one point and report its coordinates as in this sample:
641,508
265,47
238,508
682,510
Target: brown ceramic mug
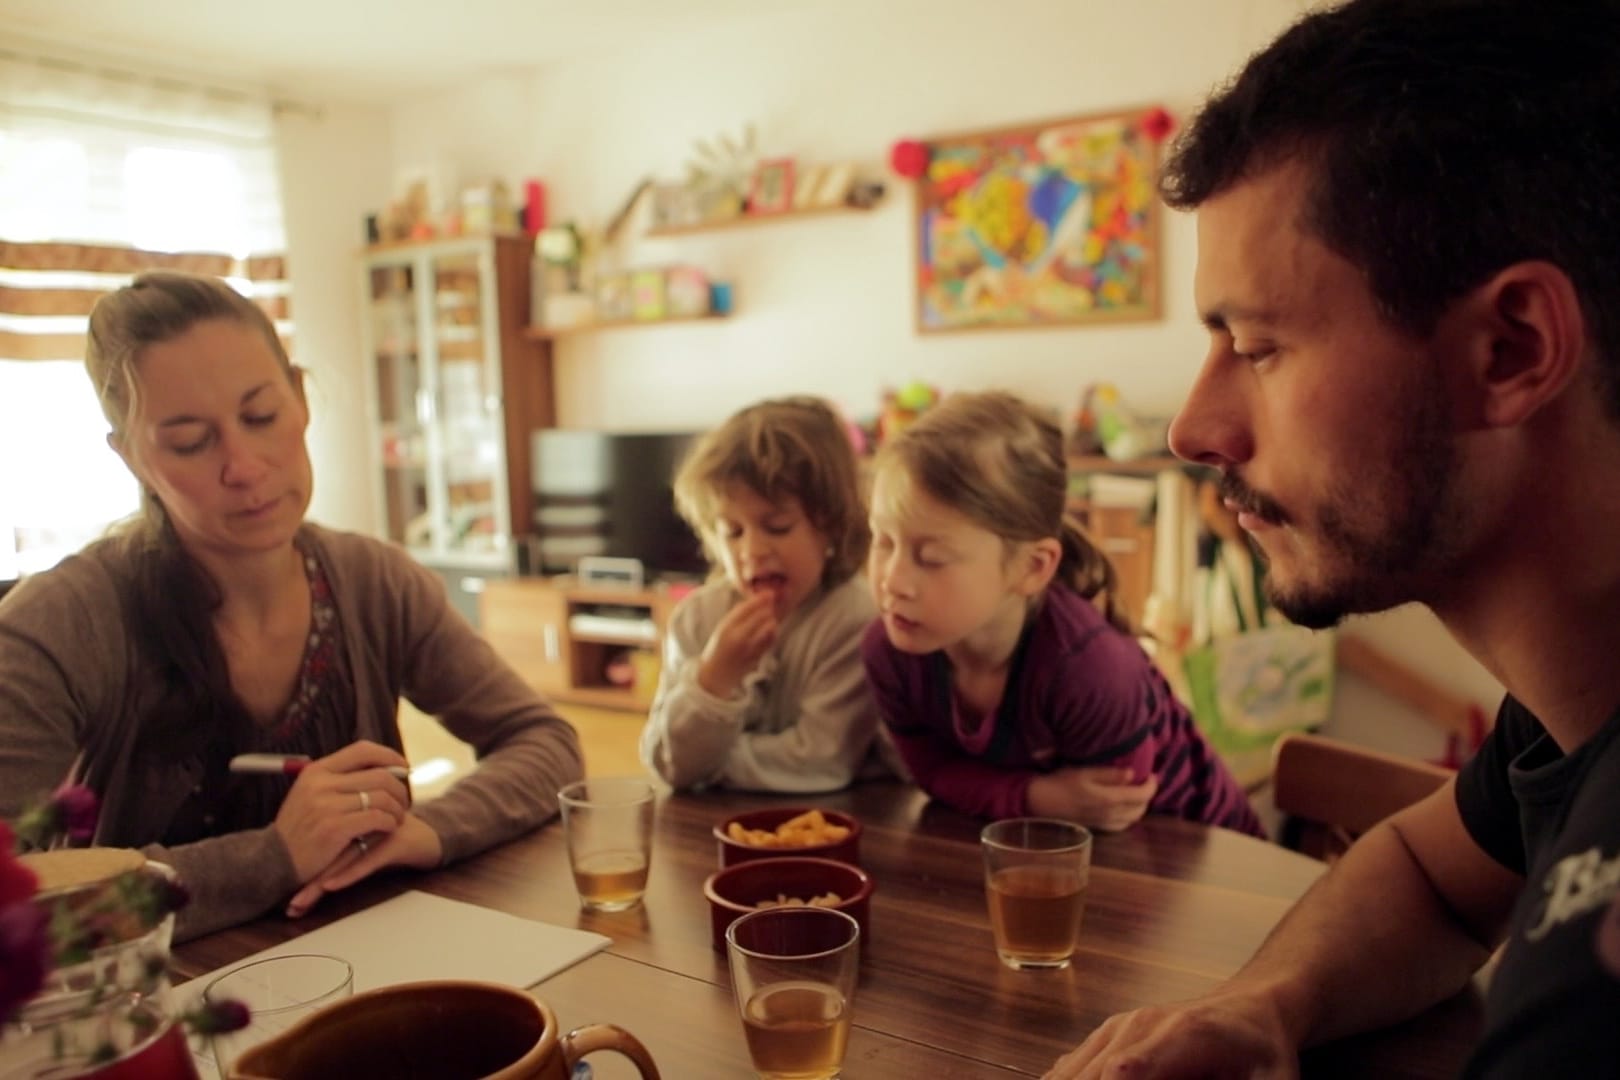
450,1030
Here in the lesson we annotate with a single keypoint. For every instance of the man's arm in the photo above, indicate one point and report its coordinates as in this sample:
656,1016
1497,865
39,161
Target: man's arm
1400,923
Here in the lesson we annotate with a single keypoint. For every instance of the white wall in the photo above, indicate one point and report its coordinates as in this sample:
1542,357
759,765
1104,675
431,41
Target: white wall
332,168
825,304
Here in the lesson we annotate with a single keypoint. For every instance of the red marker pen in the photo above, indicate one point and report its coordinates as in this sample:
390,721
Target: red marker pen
291,765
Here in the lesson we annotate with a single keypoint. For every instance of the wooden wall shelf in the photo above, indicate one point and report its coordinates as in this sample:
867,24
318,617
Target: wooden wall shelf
543,333
745,220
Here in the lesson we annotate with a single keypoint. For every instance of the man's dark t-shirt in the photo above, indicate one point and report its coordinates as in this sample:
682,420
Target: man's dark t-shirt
1553,1008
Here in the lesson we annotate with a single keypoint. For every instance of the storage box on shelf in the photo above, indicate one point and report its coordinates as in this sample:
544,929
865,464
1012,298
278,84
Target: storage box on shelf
588,645
458,387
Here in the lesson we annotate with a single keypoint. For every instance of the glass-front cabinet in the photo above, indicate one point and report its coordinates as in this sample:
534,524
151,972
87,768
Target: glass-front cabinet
458,388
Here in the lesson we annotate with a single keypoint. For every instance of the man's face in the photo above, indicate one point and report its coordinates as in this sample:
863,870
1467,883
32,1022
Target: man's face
1331,427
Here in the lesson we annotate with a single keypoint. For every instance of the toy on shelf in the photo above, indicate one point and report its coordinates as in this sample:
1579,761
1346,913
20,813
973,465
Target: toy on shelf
1105,423
901,407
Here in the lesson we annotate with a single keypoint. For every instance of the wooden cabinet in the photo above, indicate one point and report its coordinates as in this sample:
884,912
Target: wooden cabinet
592,646
457,388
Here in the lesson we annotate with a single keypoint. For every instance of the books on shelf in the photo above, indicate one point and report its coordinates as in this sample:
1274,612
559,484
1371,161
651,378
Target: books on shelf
1131,492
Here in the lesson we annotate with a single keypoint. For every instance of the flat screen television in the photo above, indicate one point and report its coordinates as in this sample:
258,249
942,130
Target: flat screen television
609,493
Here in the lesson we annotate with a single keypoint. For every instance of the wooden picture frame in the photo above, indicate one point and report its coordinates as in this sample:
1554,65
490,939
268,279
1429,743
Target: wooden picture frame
772,191
1054,223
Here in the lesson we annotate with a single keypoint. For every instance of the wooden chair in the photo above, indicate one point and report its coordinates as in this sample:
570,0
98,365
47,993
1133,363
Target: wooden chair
1330,792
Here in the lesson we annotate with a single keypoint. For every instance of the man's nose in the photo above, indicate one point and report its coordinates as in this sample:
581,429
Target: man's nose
1213,426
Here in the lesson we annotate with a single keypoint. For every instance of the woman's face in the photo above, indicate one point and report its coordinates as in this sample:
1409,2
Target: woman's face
217,433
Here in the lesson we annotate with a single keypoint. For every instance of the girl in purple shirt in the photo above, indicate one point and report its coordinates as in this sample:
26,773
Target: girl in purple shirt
1000,666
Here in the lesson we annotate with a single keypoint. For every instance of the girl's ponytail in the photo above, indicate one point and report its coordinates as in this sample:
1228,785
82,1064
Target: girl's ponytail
1090,573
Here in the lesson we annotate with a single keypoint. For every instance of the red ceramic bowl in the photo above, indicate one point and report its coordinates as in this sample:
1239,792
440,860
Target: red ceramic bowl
732,852
737,890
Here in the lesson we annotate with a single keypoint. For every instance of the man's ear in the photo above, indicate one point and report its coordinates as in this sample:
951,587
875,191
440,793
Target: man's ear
1040,560
1537,341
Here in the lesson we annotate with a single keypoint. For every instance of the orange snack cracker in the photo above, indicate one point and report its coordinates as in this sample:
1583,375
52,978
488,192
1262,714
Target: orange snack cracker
808,829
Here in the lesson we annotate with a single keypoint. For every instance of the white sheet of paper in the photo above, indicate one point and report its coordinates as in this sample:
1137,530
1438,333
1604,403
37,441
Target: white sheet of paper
417,936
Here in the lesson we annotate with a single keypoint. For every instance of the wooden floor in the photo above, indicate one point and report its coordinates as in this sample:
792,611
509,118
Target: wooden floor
609,737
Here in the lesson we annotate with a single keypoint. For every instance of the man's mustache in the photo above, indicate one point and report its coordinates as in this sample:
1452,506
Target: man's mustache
1234,491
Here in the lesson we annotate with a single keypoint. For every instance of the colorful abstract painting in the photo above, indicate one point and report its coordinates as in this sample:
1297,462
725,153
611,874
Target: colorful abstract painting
1041,225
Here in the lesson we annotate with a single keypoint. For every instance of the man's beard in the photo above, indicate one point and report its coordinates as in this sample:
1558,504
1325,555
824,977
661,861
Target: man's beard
1368,561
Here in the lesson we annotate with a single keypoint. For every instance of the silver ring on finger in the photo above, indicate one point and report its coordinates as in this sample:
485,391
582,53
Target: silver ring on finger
360,842
365,800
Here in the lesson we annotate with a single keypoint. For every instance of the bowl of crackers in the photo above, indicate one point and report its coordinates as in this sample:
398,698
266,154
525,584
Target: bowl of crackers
788,830
788,880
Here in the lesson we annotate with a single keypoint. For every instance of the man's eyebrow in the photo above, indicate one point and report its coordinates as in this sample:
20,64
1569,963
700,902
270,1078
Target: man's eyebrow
176,421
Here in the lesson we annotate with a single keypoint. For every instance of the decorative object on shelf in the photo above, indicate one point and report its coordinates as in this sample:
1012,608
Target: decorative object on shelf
562,248
1116,428
903,406
1043,224
534,208
833,186
408,217
865,194
772,191
686,291
674,206
613,297
720,176
487,208
84,949
647,298
563,301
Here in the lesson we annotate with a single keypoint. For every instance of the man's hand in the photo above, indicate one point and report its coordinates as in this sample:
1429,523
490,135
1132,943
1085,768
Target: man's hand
734,649
1099,796
1233,1034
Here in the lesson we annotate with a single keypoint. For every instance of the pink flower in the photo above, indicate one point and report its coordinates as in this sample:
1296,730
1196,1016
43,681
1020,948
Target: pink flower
72,809
76,809
218,1018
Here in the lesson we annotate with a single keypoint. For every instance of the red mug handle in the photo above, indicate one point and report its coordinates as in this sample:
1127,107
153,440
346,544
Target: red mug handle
592,1037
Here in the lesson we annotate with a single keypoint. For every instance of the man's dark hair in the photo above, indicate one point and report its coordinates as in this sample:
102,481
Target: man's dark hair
1447,139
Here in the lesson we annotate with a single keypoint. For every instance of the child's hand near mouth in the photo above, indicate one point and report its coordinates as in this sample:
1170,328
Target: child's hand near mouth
735,648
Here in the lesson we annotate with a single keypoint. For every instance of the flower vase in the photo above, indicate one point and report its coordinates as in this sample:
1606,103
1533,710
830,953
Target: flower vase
107,1016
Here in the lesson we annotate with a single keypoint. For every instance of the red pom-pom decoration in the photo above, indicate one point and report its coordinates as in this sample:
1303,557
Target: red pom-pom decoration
909,158
1157,123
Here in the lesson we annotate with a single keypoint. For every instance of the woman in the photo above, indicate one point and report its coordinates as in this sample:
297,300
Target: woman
220,622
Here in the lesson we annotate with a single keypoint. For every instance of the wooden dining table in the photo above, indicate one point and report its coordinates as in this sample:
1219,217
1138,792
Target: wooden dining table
1172,909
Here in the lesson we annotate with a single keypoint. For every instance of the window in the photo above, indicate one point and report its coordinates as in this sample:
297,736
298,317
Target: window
103,174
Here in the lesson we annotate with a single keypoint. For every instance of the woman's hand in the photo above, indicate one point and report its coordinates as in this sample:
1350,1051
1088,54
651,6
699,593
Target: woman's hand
1097,796
337,799
744,636
413,844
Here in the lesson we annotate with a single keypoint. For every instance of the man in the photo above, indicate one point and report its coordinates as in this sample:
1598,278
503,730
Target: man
1409,257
